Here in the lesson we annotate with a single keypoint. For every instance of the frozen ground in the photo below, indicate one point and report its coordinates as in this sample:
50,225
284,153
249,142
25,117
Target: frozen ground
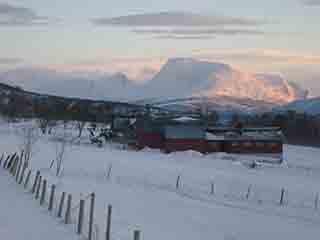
142,191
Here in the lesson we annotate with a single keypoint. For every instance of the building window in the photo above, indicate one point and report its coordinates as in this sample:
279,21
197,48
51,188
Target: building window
247,144
235,144
260,144
273,145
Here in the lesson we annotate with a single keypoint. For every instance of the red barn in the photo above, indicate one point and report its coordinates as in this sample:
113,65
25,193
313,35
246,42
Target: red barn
173,135
184,137
149,134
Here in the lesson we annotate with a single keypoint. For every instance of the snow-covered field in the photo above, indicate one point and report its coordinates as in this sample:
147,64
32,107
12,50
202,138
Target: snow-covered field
20,218
142,191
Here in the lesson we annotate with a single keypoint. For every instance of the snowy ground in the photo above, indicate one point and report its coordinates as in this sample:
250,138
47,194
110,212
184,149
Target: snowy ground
21,218
142,191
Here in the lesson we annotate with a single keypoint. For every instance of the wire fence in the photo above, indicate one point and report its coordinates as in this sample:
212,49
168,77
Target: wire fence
78,214
78,211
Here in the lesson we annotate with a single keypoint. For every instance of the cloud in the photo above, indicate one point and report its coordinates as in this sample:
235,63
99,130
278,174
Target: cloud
138,69
143,68
311,2
185,37
9,61
194,33
184,25
199,31
270,56
171,19
11,15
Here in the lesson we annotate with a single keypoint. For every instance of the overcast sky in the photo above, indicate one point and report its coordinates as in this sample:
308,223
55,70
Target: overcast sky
270,36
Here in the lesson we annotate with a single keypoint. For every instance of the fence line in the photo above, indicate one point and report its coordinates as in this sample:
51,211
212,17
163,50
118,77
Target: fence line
76,215
17,168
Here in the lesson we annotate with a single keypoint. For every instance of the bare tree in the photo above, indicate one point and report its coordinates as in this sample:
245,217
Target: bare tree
46,125
61,142
29,138
80,126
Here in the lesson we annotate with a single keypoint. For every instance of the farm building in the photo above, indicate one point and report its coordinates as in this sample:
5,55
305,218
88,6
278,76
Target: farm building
179,137
170,134
246,140
182,134
149,133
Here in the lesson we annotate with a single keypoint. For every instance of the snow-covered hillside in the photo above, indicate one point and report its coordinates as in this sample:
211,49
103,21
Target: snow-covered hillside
142,191
179,77
185,77
310,106
98,86
221,104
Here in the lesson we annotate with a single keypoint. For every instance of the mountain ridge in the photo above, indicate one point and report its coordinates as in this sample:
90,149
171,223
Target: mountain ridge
177,78
310,106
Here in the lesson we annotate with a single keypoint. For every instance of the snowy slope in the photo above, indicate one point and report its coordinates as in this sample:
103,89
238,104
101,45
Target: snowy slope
310,106
143,195
215,103
186,77
21,218
98,86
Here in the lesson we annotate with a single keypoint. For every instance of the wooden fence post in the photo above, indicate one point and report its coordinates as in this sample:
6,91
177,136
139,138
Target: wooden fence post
27,180
212,188
20,161
38,187
13,163
109,172
136,235
9,164
18,169
43,192
80,218
108,229
248,192
16,166
178,182
22,172
51,200
91,216
316,201
6,162
282,196
35,182
51,164
63,196
68,210
2,156
21,155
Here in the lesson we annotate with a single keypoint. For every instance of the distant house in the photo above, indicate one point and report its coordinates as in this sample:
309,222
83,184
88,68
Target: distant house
149,133
247,141
170,134
184,137
182,134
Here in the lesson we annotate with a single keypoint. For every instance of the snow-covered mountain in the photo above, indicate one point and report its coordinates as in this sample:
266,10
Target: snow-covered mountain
216,103
178,78
310,106
89,85
189,77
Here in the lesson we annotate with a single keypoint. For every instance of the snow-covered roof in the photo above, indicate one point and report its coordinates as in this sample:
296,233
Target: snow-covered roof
184,119
211,136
